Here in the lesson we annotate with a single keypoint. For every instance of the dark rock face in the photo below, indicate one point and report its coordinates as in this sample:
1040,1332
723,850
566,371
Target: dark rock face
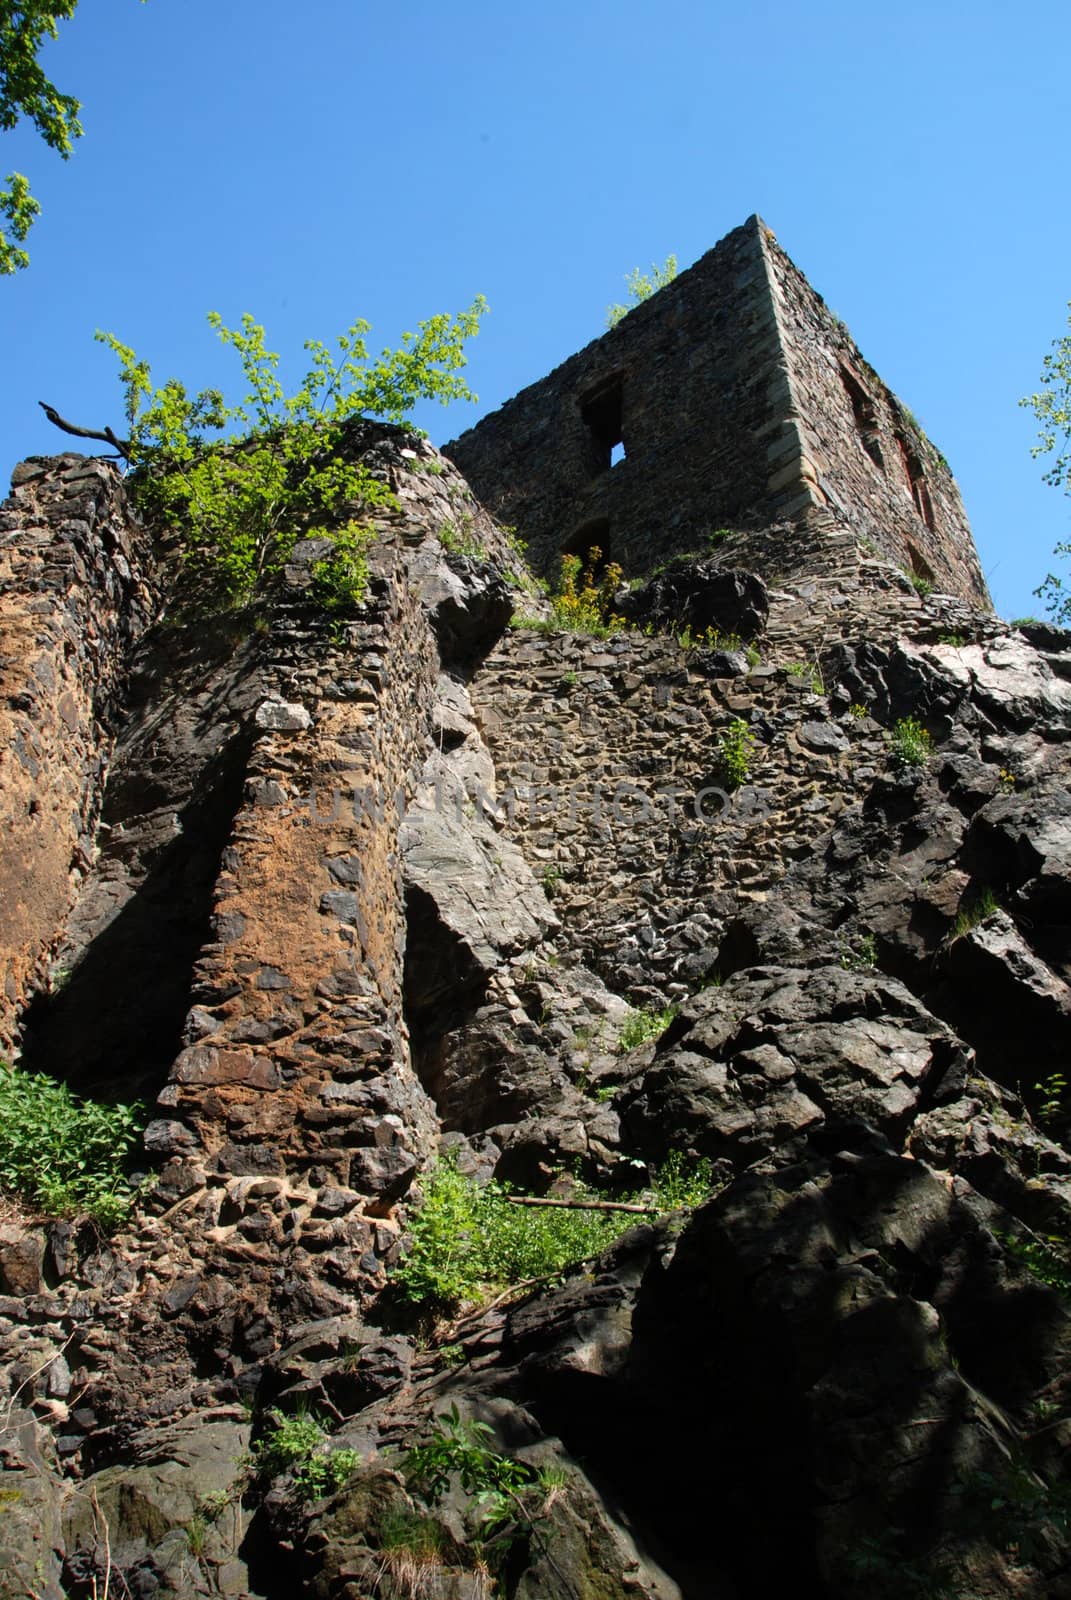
368,892
700,595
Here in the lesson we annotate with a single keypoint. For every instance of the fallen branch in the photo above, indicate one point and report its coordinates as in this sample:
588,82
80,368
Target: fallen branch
582,1205
108,437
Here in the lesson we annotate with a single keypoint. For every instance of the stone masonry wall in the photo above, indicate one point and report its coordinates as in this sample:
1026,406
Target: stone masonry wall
76,590
863,450
290,1121
739,401
698,376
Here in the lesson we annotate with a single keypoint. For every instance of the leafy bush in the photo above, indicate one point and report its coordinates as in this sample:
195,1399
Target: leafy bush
644,1024
735,749
62,1153
912,745
240,501
295,1444
466,1237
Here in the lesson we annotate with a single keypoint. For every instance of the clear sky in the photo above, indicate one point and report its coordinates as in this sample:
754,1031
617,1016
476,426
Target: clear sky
337,159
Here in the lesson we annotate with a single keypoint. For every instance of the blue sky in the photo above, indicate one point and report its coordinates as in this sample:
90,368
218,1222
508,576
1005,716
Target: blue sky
318,163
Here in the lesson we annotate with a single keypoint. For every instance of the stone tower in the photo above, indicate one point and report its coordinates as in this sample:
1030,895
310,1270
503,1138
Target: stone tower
733,397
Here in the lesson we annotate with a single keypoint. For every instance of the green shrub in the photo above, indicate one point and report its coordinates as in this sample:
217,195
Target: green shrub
735,749
644,1024
466,1237
62,1153
295,1444
240,501
912,745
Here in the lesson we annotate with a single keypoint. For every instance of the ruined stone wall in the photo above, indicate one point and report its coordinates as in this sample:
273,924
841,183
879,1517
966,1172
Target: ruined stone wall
862,449
739,400
693,383
76,589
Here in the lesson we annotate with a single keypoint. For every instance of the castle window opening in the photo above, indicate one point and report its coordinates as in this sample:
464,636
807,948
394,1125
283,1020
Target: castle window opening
601,410
865,414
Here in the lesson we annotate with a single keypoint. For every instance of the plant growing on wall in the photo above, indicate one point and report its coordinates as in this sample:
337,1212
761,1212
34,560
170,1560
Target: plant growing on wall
241,499
641,286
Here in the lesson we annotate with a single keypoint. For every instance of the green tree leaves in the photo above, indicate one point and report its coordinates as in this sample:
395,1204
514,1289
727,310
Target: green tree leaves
242,499
26,91
1051,406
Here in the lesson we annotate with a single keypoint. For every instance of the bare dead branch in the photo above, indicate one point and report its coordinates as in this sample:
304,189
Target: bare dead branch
582,1205
108,437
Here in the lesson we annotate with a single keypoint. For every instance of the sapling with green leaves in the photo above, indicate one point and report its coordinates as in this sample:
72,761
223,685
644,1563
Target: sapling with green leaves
242,483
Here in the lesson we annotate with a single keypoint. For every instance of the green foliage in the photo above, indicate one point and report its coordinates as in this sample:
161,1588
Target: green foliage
1016,1509
641,286
61,1153
1047,1258
463,1449
1053,1090
956,640
1051,406
241,500
860,954
459,539
735,750
644,1024
466,1237
295,1444
584,600
922,586
976,910
680,1184
881,1562
707,639
25,91
912,744
858,711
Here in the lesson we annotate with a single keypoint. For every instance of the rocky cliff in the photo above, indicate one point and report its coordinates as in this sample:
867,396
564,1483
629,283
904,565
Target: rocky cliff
336,899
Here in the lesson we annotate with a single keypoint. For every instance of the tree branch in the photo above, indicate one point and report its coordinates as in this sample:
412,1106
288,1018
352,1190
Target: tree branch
123,446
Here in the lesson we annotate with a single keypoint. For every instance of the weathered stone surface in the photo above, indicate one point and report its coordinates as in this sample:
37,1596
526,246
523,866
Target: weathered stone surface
774,413
776,1053
372,888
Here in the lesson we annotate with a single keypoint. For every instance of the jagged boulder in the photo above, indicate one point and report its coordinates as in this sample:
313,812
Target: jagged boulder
699,595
